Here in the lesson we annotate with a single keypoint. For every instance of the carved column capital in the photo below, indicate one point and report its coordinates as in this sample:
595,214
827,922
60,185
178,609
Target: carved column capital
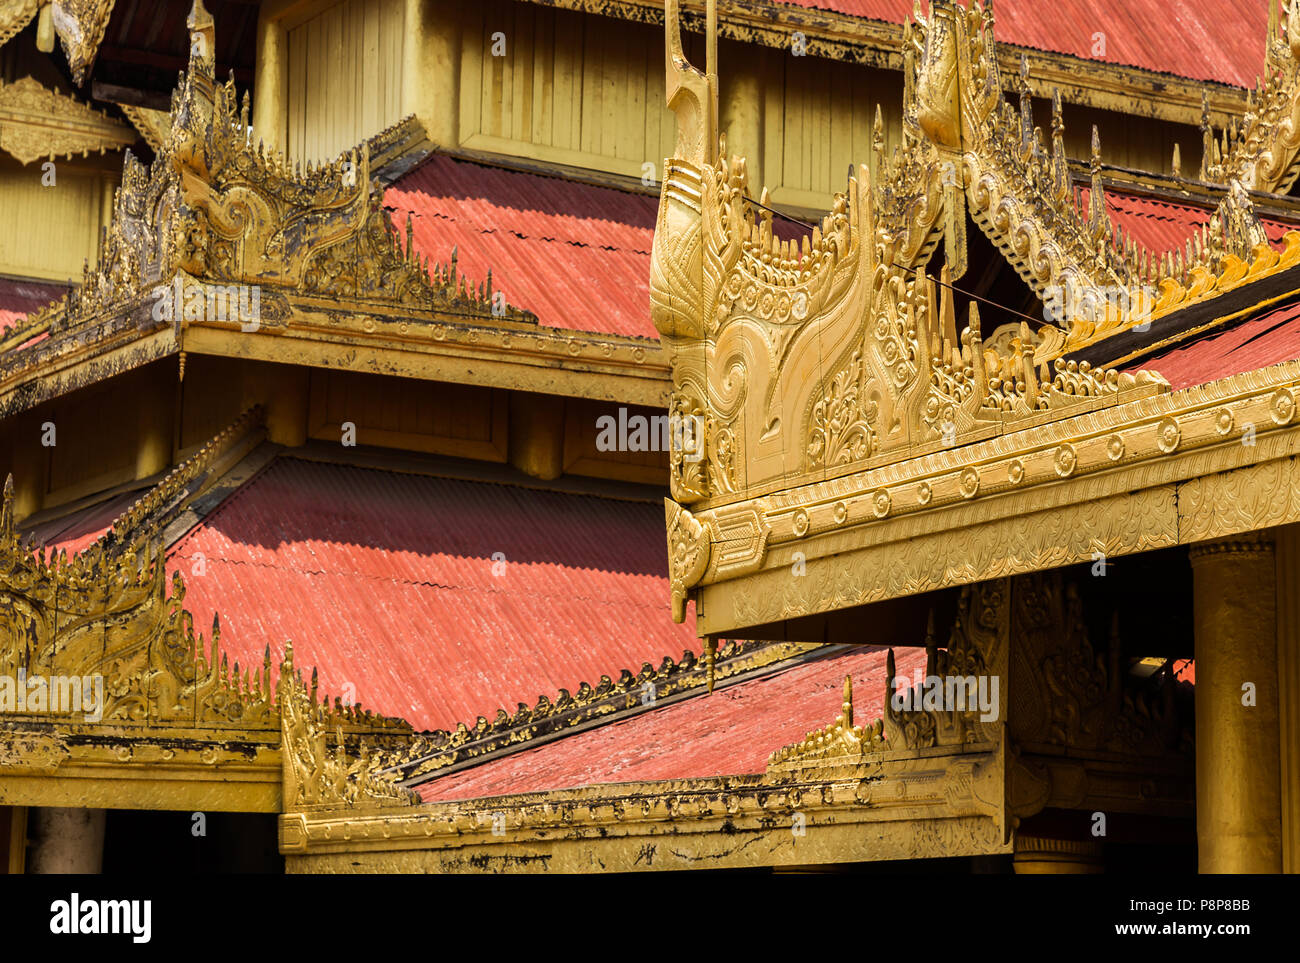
1040,855
1249,543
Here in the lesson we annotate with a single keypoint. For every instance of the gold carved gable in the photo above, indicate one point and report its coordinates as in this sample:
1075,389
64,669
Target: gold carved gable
37,122
217,219
1262,152
800,360
103,617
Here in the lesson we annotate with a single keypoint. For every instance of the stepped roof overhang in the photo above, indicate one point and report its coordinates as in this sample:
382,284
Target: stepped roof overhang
436,572
891,453
1149,67
220,248
575,255
123,704
433,596
650,772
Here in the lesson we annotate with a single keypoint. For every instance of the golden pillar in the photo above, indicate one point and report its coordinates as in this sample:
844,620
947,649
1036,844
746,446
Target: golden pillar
1040,856
1288,678
66,841
271,83
1238,799
284,392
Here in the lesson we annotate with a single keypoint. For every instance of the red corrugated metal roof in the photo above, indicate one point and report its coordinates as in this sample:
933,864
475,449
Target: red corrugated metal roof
1258,343
1162,225
575,255
75,531
20,298
384,581
1221,40
729,732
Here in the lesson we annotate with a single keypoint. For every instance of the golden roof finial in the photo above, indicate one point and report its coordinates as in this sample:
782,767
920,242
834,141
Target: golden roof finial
198,18
7,512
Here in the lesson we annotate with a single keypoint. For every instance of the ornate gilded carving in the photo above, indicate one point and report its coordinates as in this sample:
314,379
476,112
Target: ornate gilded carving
839,739
105,613
431,753
1263,151
80,25
688,554
851,396
1232,269
214,211
37,122
975,652
15,15
822,355
316,774
1068,693
153,125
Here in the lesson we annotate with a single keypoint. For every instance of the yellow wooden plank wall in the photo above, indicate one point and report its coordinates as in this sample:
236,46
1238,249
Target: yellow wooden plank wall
572,88
818,120
462,420
345,77
95,445
1139,143
59,224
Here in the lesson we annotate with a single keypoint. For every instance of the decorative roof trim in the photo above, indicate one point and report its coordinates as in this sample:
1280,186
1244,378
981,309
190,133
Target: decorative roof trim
434,754
80,25
37,122
1132,90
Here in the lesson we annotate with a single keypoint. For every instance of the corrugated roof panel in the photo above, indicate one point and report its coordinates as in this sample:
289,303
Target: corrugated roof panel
1258,343
728,732
1164,226
78,529
576,255
1218,40
386,583
20,298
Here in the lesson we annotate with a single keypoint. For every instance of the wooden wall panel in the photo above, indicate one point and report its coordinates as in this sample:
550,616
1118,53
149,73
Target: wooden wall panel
345,77
60,223
818,120
445,419
572,88
583,457
95,439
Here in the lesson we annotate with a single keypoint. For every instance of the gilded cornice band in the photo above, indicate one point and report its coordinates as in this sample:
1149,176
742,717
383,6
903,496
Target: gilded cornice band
37,122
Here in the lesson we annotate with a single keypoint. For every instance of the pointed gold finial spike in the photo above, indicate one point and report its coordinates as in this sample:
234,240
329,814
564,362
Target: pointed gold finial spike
948,311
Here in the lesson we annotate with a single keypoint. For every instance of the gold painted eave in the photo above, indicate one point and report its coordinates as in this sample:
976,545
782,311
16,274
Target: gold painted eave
524,357
181,771
1154,473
